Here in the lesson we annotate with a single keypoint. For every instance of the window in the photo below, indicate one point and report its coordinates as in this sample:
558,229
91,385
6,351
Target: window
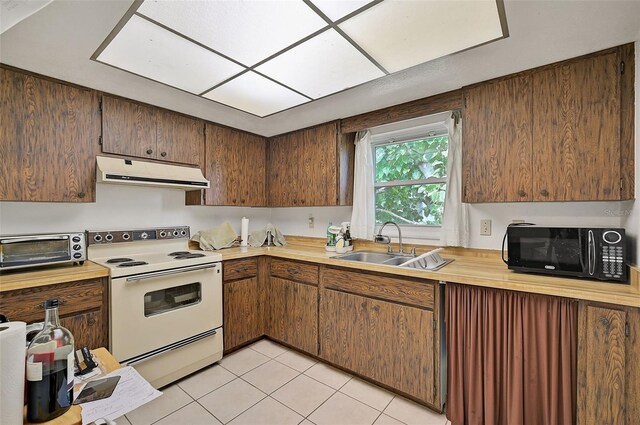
410,179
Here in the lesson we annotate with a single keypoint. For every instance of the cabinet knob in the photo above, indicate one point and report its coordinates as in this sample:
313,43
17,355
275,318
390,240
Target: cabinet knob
81,195
302,201
91,322
544,192
243,201
233,200
522,193
163,154
295,201
149,151
376,308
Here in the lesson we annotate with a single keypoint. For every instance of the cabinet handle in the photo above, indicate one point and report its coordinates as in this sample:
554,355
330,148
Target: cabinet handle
81,195
92,321
295,201
544,192
302,201
522,193
292,270
149,151
242,201
241,269
163,154
61,301
604,321
233,200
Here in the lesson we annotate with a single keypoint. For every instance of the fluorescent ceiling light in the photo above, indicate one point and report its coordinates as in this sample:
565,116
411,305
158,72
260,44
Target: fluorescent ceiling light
146,49
336,9
400,34
247,31
325,64
255,94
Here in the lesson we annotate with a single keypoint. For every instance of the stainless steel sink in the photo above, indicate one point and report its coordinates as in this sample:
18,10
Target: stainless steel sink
374,257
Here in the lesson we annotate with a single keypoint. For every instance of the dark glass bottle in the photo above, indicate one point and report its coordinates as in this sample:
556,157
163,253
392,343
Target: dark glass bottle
50,360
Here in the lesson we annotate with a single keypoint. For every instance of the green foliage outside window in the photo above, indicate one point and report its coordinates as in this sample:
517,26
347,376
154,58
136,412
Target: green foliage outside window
406,202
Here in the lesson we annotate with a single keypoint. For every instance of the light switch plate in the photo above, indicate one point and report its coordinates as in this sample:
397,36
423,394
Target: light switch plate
485,227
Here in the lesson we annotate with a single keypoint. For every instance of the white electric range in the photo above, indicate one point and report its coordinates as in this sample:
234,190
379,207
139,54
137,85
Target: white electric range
165,301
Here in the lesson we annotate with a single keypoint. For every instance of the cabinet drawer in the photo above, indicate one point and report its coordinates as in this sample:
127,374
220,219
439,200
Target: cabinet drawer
403,290
240,269
28,304
291,270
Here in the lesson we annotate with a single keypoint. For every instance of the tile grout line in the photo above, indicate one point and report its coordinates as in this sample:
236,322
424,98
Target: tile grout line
173,411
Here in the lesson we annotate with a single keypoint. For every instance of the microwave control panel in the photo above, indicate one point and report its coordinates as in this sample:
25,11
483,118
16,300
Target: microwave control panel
612,253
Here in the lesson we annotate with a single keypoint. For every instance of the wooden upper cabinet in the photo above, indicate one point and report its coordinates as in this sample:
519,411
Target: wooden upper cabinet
49,138
143,131
235,163
576,130
496,153
128,128
179,138
311,167
561,132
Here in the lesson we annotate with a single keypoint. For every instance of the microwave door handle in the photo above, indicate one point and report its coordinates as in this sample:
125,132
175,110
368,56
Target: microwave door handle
581,248
592,253
35,238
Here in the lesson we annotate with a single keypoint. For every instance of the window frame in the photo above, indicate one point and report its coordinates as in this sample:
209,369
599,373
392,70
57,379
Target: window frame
407,135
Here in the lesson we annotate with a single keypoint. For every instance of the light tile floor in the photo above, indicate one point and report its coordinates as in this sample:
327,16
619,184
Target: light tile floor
268,384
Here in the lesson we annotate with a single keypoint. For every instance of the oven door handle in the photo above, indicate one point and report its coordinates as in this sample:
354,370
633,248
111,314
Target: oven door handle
34,238
170,272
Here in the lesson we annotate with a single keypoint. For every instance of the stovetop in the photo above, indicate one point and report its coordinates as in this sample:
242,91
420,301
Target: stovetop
145,256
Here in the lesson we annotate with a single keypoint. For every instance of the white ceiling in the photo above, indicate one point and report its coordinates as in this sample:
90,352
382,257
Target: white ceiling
59,40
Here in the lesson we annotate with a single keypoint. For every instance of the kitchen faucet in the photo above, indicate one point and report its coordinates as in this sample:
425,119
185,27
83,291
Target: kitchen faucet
380,238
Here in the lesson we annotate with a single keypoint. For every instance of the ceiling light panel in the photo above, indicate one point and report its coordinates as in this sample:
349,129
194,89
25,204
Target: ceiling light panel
336,9
148,50
255,94
247,31
323,65
400,33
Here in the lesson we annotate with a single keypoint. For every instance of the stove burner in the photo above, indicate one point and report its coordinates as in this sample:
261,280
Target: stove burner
187,256
175,254
132,264
118,260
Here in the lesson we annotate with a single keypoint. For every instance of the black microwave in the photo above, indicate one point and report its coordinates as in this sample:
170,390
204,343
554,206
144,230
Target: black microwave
587,252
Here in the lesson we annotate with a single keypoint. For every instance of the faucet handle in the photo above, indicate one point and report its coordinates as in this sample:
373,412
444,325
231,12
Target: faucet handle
413,251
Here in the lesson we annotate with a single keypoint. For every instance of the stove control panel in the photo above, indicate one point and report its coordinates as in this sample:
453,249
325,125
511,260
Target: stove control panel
119,236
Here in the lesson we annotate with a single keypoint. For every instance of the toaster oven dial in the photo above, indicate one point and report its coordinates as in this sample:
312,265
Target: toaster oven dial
77,255
77,247
76,239
611,237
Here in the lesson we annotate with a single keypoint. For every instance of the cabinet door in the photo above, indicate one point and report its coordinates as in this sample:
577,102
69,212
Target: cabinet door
608,364
318,162
242,322
179,138
128,128
285,159
236,166
576,130
49,138
496,146
293,314
87,329
388,342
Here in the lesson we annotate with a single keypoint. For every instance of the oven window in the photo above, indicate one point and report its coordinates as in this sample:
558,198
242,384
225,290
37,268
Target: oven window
30,252
177,297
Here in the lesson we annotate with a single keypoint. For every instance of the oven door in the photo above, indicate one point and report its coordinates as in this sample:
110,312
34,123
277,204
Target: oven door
154,310
552,250
16,252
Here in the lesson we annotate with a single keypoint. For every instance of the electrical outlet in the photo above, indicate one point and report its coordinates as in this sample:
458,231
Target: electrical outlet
311,221
485,227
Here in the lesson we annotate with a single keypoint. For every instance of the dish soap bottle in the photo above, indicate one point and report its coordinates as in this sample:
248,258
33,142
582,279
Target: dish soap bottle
330,236
50,361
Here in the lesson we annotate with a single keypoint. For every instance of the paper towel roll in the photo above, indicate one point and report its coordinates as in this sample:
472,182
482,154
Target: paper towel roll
244,231
12,357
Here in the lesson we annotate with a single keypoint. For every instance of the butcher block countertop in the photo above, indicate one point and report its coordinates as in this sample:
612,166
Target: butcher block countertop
470,266
21,279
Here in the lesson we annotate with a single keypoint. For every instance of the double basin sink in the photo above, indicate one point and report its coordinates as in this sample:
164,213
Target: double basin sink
375,257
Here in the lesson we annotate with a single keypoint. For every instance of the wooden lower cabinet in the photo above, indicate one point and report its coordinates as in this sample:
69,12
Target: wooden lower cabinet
388,342
84,308
608,364
242,321
292,314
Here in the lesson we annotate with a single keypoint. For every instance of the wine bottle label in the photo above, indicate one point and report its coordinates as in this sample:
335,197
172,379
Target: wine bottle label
34,371
70,365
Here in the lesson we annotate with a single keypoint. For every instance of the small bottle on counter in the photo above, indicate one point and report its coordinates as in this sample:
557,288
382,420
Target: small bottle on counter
50,374
330,236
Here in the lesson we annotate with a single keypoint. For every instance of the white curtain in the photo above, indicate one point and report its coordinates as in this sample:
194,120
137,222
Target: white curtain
455,220
363,215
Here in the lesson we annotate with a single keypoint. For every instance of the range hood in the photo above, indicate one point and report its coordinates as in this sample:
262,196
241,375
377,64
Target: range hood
132,172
